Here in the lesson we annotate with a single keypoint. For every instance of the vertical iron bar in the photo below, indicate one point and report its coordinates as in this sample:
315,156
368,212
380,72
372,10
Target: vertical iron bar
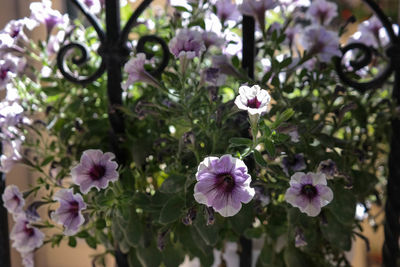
4,241
248,55
114,62
390,248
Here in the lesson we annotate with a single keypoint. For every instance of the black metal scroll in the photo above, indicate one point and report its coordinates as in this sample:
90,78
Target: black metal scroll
392,208
114,52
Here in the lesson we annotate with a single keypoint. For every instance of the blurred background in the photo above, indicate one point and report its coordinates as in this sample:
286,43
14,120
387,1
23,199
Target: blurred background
80,256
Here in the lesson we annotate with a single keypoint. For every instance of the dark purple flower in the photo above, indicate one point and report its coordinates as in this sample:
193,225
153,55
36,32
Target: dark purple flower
322,11
295,163
226,10
223,183
15,28
26,237
69,213
94,6
213,77
328,167
308,192
95,170
187,44
13,200
321,43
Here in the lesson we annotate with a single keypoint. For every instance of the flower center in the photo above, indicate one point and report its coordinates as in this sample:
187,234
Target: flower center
74,208
97,172
28,230
226,181
16,199
253,103
3,73
309,191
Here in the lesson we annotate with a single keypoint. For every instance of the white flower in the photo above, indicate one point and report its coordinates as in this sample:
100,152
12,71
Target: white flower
253,99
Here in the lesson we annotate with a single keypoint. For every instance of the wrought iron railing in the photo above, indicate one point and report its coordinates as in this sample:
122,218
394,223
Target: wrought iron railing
115,52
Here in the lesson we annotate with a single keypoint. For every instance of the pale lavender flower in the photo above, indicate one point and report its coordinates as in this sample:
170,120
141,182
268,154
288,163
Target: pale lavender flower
328,167
211,38
295,163
291,33
136,72
42,12
257,8
11,154
253,99
300,241
15,28
371,33
69,214
322,11
187,44
28,259
223,183
226,10
8,70
95,170
11,114
54,42
13,200
223,63
309,192
25,236
321,43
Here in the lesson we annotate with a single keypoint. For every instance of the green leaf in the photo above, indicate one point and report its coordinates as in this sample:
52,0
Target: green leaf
286,62
336,233
46,161
270,147
208,233
91,241
284,116
259,158
343,205
173,256
133,230
149,257
172,210
236,141
243,220
132,258
294,258
253,233
72,241
173,184
101,224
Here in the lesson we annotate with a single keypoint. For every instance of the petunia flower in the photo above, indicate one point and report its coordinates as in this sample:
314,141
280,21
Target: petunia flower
13,200
213,77
300,240
42,13
8,70
322,11
223,63
136,72
253,99
69,213
187,44
28,259
295,163
95,170
328,167
321,43
94,6
223,184
309,192
226,10
25,236
257,8
212,39
11,154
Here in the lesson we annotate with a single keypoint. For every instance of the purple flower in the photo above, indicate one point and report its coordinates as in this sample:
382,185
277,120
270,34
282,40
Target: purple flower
223,183
295,163
291,33
253,99
322,11
308,192
25,236
300,241
13,200
214,77
257,8
371,33
94,6
320,42
226,10
222,62
11,154
328,167
8,70
15,28
211,38
136,72
69,213
95,170
187,44
28,259
42,12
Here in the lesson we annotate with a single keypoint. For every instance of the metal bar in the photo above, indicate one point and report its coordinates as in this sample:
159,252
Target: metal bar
4,241
248,55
